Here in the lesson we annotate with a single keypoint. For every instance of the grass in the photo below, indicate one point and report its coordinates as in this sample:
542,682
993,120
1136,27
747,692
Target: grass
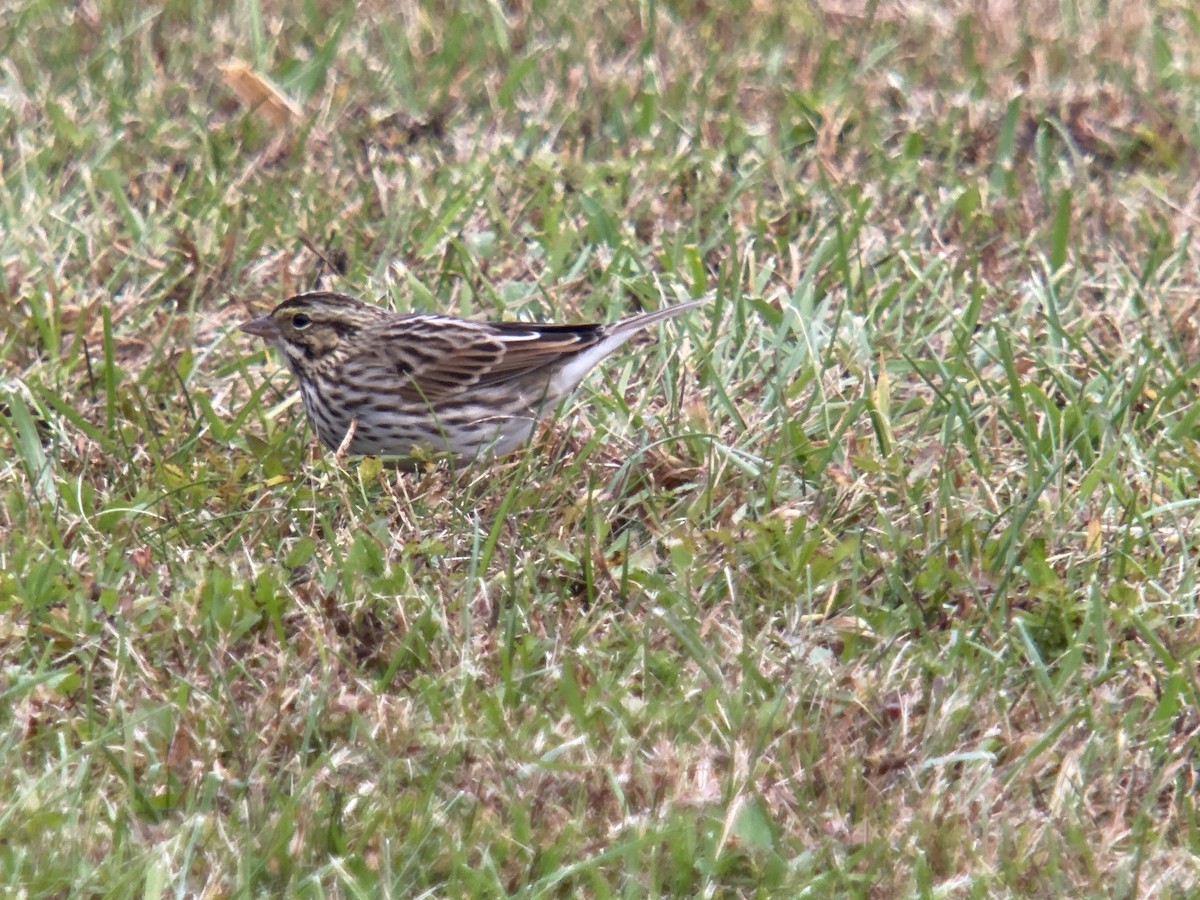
878,577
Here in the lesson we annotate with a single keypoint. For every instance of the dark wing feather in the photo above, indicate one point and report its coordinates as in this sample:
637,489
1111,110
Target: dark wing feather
434,357
529,347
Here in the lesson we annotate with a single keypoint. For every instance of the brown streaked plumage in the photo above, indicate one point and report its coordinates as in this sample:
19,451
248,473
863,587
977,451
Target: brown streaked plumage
385,384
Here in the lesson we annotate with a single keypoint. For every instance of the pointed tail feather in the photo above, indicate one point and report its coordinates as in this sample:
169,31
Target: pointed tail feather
634,324
583,362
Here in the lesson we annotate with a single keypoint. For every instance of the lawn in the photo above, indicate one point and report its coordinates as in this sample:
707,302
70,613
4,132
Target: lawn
877,576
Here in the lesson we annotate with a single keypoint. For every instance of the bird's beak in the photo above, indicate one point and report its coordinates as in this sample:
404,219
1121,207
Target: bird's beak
263,327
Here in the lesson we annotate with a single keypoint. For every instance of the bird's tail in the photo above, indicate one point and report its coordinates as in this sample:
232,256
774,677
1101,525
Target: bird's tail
615,336
634,324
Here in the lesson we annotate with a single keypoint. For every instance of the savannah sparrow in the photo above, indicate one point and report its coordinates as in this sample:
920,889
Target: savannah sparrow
382,384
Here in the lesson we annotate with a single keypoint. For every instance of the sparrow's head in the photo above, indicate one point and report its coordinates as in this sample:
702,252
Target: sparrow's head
315,326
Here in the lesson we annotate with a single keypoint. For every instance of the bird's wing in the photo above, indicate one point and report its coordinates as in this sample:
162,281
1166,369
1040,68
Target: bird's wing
529,347
434,357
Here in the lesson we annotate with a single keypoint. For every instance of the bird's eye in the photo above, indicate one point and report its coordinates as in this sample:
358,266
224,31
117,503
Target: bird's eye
300,320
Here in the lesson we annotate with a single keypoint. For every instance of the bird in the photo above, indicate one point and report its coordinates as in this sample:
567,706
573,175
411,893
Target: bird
380,383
